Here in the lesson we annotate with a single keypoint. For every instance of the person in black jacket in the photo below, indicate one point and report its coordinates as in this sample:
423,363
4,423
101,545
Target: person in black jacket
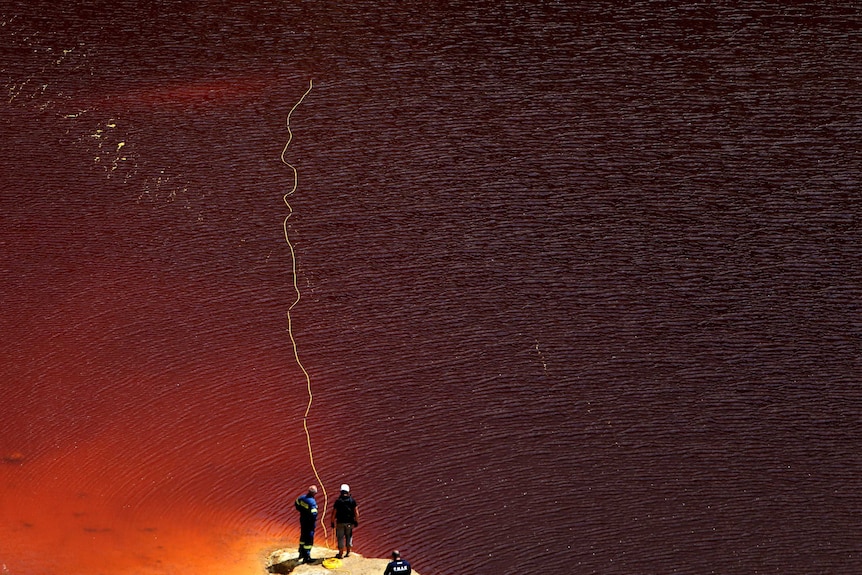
398,566
345,518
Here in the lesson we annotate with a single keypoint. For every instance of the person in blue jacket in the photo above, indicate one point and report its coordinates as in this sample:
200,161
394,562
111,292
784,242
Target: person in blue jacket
306,505
397,566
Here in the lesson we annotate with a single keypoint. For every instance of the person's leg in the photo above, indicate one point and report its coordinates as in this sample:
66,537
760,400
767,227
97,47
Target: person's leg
306,542
303,546
348,538
302,533
308,545
339,536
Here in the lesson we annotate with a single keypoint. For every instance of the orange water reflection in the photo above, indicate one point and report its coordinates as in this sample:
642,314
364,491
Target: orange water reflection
129,445
52,525
129,500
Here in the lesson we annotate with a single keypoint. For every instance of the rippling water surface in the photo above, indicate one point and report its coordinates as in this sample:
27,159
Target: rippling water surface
580,284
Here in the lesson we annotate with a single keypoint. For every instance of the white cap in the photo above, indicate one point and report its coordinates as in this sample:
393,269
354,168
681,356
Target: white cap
345,487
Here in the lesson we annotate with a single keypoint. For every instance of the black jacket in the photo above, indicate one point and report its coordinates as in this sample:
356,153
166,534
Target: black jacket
345,510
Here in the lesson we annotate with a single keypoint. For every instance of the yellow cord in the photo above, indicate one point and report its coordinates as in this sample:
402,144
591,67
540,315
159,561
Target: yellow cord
296,301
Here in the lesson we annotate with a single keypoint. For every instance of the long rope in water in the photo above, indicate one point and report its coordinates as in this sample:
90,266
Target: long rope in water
296,301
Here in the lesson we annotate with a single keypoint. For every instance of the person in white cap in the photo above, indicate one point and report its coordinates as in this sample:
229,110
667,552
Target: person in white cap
345,517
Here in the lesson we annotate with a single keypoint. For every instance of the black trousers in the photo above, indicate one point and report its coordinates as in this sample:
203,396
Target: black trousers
306,539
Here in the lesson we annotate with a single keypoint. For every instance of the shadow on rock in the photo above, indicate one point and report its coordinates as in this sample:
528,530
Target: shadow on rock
290,564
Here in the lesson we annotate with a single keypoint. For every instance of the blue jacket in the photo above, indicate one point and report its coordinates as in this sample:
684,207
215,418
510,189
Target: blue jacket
398,567
307,507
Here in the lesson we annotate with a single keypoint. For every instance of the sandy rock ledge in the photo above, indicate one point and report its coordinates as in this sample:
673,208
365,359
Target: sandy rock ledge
283,561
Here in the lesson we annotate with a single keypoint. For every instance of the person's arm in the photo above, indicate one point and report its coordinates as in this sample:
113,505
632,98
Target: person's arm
356,516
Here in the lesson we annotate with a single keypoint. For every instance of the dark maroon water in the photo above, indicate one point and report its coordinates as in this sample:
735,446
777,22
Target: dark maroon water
580,284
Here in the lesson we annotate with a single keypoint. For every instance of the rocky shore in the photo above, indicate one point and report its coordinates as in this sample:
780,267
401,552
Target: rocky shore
284,561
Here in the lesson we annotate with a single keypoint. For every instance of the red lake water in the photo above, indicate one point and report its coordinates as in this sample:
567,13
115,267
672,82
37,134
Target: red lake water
579,284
